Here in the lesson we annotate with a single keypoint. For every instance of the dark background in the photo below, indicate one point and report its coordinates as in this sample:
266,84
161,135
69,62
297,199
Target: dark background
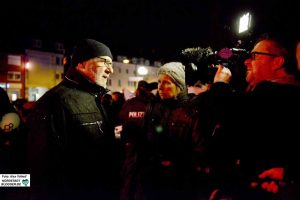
155,30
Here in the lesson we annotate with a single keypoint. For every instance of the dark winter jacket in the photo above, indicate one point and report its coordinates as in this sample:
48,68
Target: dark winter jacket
131,117
271,126
71,144
165,164
260,129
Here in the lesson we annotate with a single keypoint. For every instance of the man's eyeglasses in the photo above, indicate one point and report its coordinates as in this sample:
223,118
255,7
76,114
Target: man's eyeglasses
106,62
254,53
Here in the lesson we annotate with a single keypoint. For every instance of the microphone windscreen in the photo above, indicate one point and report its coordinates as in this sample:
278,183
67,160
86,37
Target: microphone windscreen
9,122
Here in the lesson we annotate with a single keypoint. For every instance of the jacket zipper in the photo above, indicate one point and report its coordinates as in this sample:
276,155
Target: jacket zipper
99,123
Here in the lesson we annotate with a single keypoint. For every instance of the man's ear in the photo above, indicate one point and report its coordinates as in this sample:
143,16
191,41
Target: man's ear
79,66
279,62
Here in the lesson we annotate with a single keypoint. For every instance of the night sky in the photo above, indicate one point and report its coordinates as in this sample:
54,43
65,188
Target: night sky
156,29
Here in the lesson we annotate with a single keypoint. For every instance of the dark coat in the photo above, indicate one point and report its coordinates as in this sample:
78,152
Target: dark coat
271,127
258,129
216,114
131,117
71,144
165,164
266,127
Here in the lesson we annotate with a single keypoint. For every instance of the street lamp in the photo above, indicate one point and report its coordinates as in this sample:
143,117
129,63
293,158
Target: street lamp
142,70
126,61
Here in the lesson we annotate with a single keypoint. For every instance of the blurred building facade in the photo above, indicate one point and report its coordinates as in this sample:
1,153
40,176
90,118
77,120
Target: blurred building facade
28,75
43,71
127,75
12,74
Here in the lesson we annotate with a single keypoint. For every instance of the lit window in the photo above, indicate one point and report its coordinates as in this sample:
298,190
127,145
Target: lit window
14,60
131,83
13,76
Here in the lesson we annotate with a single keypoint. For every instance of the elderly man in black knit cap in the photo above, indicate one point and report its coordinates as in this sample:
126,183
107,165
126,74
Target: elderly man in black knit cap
71,144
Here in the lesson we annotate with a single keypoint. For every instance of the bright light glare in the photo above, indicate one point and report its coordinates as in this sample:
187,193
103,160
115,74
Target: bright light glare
142,70
244,24
14,97
126,61
27,65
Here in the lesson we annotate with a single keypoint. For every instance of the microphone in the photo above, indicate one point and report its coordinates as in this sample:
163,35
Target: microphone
9,122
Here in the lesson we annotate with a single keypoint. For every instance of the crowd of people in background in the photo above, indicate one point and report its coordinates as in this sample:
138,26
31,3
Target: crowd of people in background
82,141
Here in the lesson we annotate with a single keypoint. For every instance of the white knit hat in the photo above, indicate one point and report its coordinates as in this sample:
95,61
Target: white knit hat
176,71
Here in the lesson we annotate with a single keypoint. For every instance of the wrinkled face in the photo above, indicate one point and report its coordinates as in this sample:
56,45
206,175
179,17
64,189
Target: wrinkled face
265,61
167,89
97,70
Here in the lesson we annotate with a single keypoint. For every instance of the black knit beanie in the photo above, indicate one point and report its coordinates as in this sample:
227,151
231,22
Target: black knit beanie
88,48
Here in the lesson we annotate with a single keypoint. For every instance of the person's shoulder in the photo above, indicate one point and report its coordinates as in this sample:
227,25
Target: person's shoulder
62,92
197,100
131,100
278,86
48,100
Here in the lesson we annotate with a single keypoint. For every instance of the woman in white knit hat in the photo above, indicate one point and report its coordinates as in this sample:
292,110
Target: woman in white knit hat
164,164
